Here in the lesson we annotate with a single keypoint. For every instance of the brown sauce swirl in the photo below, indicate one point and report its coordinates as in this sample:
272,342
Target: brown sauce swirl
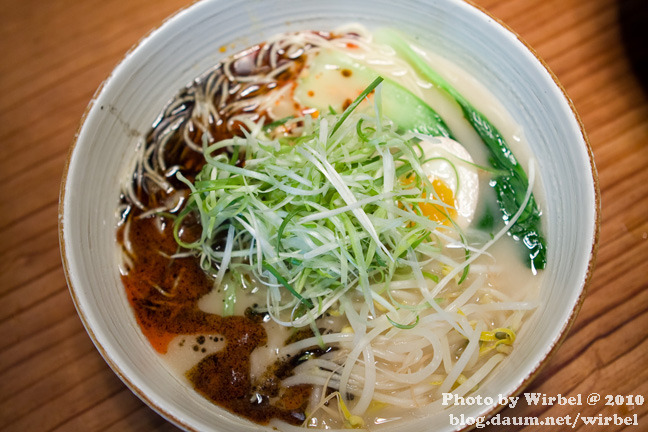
164,290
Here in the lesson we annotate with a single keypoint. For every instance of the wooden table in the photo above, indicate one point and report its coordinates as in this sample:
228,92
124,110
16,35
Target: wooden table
56,53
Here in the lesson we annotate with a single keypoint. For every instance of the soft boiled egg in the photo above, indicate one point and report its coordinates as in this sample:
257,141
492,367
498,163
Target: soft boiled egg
450,169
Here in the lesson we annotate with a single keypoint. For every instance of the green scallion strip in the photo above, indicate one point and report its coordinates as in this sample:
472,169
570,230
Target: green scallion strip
277,123
284,282
403,326
431,276
321,215
355,103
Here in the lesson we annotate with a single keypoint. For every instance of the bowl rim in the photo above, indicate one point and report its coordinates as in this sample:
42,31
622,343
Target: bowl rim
167,414
564,331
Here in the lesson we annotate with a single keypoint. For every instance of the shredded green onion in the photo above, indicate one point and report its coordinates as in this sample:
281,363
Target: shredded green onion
403,326
316,215
356,102
285,283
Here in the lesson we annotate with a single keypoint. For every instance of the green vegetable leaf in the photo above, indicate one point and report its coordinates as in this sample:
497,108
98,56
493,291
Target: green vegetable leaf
510,187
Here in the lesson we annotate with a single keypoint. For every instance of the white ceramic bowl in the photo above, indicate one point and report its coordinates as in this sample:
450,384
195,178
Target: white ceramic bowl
188,44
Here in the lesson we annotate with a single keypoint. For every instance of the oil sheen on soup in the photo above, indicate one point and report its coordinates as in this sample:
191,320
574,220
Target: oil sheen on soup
331,230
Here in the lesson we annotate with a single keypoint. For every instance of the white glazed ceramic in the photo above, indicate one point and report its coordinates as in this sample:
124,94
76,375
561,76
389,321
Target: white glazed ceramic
188,44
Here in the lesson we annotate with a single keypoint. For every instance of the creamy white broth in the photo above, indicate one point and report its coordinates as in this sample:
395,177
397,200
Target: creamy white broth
498,292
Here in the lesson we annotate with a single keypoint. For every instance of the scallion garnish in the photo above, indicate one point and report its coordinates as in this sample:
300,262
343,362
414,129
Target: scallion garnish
317,215
403,326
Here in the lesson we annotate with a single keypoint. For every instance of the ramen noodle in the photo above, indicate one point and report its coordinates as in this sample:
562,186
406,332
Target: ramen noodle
322,231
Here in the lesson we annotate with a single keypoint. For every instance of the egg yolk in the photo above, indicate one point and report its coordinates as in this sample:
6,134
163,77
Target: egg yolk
436,212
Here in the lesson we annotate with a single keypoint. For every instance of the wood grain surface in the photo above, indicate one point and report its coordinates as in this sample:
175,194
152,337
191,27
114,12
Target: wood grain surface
56,53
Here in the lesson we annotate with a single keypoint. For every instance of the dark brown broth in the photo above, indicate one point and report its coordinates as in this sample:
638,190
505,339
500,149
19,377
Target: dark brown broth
164,291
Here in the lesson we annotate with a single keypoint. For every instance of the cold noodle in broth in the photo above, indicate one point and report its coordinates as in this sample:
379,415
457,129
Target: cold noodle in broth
322,231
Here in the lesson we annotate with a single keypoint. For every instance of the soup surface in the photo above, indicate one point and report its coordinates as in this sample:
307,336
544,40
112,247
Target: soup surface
331,230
